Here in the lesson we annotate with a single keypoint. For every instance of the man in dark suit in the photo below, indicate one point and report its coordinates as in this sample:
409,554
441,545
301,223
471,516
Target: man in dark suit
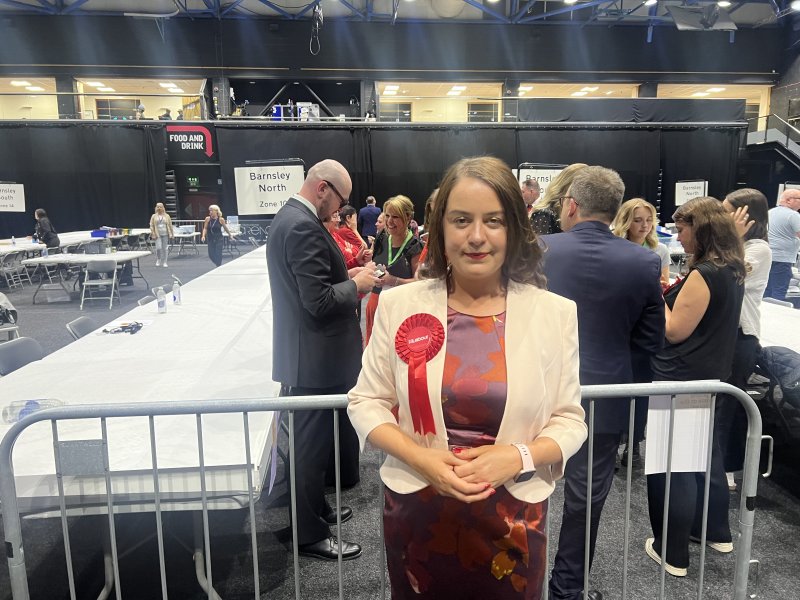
316,344
620,310
367,217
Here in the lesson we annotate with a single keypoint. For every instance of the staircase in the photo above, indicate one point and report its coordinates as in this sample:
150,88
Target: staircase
171,194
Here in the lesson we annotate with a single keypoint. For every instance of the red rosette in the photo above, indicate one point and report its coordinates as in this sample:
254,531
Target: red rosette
418,339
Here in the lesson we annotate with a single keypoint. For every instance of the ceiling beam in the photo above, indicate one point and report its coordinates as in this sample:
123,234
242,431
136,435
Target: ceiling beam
73,7
278,9
353,9
486,10
36,9
230,8
561,11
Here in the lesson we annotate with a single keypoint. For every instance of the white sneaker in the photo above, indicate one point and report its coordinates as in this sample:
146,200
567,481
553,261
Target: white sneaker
723,547
651,552
158,263
731,482
165,265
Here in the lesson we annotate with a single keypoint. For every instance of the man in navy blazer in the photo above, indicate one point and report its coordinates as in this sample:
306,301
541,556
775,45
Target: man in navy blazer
316,345
368,217
615,284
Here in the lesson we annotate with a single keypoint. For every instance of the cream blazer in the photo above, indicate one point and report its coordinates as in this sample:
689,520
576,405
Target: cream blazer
543,398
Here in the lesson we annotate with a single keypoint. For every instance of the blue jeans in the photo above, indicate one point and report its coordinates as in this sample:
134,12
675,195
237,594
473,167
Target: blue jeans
780,274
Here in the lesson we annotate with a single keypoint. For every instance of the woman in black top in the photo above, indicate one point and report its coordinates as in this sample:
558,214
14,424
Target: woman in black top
397,249
45,231
702,317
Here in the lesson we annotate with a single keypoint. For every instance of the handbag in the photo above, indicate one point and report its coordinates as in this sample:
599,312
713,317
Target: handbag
7,316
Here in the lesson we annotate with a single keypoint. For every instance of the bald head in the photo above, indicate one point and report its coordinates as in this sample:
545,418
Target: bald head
327,184
790,198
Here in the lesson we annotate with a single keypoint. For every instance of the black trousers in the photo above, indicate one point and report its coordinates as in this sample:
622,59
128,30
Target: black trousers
730,417
314,461
215,249
566,579
686,507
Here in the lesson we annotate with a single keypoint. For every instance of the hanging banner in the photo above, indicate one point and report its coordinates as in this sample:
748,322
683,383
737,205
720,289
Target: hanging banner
191,143
12,197
263,190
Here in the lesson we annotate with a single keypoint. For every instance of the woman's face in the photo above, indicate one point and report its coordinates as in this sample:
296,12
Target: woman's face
395,224
213,212
332,222
686,237
641,225
351,220
159,208
475,233
380,223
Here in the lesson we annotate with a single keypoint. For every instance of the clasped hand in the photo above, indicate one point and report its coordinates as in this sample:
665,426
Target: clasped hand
469,474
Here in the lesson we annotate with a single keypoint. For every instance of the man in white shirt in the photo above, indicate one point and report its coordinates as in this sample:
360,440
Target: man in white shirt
784,241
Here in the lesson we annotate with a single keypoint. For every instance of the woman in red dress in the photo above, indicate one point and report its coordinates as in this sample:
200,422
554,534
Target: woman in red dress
470,386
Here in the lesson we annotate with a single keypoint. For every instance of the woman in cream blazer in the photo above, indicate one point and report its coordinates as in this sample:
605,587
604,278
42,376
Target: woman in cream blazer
483,272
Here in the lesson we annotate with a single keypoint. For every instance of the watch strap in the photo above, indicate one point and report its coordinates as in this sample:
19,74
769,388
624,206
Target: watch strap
527,457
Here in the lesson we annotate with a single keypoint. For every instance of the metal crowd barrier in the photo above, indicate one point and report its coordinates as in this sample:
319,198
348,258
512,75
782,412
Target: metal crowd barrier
11,514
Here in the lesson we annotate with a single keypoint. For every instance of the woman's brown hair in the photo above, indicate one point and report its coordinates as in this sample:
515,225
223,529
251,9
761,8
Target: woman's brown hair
715,237
757,209
523,262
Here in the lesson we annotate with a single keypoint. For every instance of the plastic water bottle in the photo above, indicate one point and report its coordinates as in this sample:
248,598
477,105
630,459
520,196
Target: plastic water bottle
176,293
162,300
19,409
13,241
44,252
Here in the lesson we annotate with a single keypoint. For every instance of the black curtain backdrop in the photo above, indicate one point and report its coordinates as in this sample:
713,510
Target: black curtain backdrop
83,175
709,154
630,110
88,174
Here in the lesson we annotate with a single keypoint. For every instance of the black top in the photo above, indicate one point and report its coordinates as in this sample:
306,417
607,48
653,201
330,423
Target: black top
402,266
544,221
708,352
46,233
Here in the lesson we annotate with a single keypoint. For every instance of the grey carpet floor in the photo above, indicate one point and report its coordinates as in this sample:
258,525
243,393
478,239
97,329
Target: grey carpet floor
776,543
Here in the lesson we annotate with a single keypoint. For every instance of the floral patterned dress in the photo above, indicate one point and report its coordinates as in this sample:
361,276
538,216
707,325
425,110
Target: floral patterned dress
438,547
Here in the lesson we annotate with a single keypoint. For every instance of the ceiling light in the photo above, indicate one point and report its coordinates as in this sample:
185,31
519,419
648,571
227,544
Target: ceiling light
650,2
176,90
570,1
522,93
391,87
715,90
20,83
390,92
34,88
525,88
795,5
609,92
454,93
723,3
337,83
458,88
168,84
95,84
404,92
106,89
581,93
589,89
699,94
492,1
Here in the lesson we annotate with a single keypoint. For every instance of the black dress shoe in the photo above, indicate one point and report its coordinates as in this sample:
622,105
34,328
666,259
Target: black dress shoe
594,595
328,549
345,511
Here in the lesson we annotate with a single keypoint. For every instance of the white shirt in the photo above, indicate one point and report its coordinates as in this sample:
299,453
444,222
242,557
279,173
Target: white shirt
758,260
307,204
784,225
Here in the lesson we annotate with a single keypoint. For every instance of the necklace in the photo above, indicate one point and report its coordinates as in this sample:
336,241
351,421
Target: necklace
392,259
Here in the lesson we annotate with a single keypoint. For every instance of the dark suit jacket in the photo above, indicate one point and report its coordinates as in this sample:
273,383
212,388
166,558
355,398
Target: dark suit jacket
315,332
367,217
620,306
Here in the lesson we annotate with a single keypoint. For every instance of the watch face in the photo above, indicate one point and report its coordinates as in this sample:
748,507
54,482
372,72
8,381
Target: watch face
526,476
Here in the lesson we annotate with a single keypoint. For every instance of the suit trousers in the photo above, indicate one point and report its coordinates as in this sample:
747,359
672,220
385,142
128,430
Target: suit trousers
566,580
314,461
686,508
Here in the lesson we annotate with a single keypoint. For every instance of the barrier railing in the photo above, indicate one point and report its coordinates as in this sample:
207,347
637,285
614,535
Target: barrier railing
11,512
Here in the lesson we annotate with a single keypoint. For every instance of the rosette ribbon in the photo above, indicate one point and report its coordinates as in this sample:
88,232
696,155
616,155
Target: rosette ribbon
419,338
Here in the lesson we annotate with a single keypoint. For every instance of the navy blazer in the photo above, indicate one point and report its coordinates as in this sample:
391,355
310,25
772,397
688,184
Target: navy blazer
316,337
616,285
